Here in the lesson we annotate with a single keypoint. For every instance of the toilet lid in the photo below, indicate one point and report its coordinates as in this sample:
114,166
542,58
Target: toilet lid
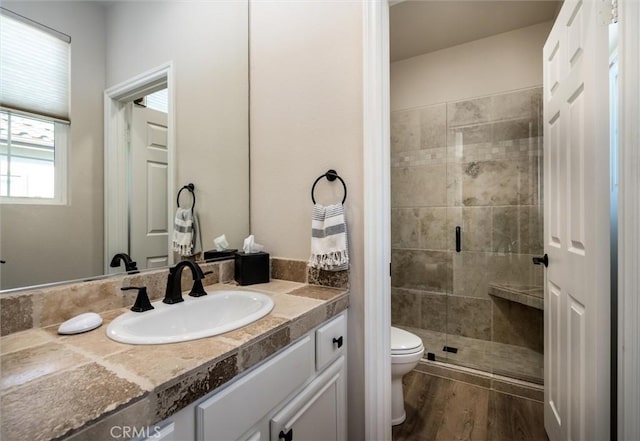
404,342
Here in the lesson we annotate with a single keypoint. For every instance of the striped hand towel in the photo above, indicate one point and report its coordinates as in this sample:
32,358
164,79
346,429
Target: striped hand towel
329,238
183,232
197,236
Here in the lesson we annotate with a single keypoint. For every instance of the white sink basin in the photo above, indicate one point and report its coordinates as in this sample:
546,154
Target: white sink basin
196,317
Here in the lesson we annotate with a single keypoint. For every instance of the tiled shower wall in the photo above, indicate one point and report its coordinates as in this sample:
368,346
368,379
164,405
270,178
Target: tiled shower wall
476,164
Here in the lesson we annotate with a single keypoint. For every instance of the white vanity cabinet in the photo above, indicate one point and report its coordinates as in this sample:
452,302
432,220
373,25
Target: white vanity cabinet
299,394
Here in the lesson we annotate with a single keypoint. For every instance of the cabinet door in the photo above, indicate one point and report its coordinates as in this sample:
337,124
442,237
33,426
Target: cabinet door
231,412
318,413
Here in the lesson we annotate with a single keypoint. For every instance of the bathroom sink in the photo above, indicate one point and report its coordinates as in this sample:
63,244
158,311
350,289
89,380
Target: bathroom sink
213,314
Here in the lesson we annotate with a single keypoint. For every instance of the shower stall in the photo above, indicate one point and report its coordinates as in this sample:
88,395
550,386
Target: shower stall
466,197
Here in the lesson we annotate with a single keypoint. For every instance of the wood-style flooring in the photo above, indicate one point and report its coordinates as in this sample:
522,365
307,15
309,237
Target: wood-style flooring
445,410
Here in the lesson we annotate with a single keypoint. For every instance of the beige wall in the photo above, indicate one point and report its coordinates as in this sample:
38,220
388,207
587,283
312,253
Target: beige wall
503,62
47,243
306,117
207,42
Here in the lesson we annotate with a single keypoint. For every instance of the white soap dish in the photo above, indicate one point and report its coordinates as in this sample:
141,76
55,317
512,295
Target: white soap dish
80,323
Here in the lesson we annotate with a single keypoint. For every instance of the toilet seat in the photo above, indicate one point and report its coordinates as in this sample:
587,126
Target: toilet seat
404,343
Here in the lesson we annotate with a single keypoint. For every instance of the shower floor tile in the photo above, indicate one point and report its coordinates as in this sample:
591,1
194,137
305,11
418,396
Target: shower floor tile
498,358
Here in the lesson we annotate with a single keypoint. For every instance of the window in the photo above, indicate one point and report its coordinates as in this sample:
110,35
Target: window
158,101
30,156
34,111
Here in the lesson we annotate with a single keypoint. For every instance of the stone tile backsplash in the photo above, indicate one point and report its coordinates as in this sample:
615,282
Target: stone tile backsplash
473,163
47,306
51,305
287,269
298,271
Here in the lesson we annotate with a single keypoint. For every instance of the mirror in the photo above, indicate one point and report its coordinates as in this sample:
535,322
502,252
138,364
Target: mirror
205,43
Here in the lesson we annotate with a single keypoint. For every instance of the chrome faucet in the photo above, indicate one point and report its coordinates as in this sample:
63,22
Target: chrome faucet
173,293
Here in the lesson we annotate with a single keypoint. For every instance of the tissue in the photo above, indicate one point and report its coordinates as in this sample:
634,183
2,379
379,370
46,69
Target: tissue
221,243
250,245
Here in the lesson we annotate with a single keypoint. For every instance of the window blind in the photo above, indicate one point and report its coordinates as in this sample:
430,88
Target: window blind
34,67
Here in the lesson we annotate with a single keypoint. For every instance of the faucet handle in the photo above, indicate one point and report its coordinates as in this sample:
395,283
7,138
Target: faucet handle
142,303
131,267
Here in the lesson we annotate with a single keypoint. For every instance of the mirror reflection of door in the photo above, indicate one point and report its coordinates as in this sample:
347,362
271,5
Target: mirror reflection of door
148,210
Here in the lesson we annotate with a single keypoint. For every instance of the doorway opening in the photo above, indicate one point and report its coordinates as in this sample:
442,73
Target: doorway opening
466,182
140,168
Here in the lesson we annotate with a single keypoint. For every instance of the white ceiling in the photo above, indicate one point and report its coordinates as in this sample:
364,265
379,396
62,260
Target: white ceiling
422,26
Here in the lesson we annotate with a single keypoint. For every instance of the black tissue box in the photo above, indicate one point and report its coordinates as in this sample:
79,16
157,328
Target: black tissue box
251,268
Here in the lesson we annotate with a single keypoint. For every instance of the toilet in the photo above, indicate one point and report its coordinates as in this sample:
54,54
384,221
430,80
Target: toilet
406,352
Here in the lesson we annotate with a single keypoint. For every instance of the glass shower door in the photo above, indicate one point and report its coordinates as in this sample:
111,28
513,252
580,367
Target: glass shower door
494,198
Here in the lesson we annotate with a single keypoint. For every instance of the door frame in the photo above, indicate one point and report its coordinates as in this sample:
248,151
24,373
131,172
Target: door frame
116,209
377,220
628,221
377,321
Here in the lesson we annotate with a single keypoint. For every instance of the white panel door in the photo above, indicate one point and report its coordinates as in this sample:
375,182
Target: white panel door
148,198
576,231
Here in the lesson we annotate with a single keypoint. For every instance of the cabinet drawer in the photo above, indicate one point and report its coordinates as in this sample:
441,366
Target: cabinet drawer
331,341
233,411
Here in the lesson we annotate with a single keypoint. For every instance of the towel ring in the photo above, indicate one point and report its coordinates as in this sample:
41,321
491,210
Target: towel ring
331,176
191,189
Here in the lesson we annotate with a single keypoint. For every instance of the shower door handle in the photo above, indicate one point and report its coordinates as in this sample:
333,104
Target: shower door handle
458,240
543,260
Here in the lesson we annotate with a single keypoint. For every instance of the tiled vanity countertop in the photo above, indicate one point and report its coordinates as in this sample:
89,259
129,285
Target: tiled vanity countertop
81,386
